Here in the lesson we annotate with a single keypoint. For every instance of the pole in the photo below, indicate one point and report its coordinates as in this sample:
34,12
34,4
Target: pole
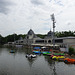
53,34
53,39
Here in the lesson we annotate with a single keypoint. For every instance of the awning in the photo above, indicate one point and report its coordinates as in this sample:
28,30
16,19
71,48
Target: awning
36,48
43,47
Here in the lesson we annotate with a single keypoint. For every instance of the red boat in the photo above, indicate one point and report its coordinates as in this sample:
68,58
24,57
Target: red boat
68,60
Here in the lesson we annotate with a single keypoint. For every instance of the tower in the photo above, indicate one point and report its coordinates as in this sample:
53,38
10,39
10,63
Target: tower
53,19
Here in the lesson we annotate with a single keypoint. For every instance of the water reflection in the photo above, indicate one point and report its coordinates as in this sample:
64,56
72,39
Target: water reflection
17,64
54,71
31,61
51,63
2,72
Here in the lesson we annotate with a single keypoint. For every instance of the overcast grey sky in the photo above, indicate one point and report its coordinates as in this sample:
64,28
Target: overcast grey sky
18,16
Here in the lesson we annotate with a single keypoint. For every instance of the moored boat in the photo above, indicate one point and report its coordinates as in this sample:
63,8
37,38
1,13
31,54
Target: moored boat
45,53
36,49
37,52
58,57
12,51
69,60
59,54
31,56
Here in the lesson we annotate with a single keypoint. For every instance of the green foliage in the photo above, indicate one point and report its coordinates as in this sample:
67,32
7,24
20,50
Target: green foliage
65,34
41,36
1,40
13,37
71,51
10,38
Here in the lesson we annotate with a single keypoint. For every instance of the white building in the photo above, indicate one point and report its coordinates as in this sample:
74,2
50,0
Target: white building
32,39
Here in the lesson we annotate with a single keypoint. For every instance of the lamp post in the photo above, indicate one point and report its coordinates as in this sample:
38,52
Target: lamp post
53,39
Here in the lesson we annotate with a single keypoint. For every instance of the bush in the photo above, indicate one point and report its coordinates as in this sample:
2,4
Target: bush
71,51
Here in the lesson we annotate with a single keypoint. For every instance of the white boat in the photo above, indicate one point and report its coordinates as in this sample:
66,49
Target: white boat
31,56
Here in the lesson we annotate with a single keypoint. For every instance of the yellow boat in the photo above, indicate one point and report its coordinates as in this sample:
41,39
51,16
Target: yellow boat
58,57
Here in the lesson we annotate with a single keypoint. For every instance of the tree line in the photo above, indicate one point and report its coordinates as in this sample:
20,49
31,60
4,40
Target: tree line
13,37
65,33
10,38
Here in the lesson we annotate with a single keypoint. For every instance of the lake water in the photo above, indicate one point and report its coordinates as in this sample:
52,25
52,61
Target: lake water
17,64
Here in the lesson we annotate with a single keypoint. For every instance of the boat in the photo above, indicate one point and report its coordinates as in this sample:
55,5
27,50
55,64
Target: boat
36,49
58,57
69,60
51,56
45,53
37,52
59,54
30,56
44,49
12,51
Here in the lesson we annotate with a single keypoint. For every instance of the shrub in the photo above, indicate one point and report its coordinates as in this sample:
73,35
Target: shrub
71,51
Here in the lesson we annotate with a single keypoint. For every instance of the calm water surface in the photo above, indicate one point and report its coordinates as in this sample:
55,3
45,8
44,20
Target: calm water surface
18,64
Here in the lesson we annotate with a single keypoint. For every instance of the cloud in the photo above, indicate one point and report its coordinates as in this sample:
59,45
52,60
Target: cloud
68,23
35,14
37,2
59,2
4,6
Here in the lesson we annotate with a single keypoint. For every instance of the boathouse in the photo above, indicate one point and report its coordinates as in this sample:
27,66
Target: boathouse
32,39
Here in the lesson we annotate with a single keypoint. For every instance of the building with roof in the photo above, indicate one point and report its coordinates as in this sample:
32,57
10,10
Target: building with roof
28,40
32,39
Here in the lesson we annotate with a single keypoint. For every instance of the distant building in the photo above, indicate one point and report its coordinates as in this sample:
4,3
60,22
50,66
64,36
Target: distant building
20,41
32,39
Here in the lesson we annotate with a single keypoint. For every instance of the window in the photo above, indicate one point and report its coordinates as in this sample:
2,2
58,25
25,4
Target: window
39,41
49,41
59,41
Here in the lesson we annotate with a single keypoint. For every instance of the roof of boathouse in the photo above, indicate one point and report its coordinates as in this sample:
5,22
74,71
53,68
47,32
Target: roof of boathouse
49,34
21,38
30,32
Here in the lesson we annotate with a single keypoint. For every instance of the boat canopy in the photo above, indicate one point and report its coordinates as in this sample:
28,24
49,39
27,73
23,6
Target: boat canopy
43,47
36,48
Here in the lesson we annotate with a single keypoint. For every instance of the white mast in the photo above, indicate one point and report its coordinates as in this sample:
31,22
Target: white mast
53,19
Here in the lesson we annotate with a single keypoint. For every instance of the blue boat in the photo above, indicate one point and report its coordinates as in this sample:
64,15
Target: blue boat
37,52
46,52
12,51
35,48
